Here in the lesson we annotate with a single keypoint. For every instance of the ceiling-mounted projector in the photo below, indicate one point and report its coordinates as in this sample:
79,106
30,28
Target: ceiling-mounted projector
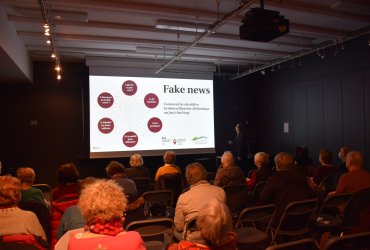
263,25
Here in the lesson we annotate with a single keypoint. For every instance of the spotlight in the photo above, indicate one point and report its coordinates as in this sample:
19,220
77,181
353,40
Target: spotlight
59,77
342,47
53,55
263,72
48,41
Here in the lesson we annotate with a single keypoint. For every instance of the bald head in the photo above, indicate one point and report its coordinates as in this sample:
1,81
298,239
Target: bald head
354,160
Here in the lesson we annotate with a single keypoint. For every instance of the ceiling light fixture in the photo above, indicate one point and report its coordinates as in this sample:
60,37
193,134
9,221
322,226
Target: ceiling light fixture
181,26
49,32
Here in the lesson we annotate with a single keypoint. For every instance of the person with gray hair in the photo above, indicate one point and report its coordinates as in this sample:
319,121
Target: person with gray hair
229,173
285,186
357,178
215,226
190,201
136,169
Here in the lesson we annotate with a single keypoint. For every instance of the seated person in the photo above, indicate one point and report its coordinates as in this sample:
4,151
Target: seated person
103,205
136,169
263,171
67,181
228,173
191,201
326,167
215,225
169,166
13,220
116,171
27,176
357,177
343,151
285,186
72,217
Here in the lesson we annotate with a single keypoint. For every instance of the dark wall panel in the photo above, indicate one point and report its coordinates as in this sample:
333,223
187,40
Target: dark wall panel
286,117
269,122
315,117
367,117
333,114
353,112
299,124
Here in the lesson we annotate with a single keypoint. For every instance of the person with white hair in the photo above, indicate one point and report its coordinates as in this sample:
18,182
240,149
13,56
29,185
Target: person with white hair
228,173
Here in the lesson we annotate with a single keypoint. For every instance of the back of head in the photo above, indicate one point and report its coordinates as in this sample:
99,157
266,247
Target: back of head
325,156
261,159
343,151
214,222
26,175
102,201
227,159
68,173
136,160
169,157
354,159
82,184
195,172
113,168
10,191
283,161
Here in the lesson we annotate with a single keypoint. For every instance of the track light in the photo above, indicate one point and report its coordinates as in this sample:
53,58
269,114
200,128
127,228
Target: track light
263,72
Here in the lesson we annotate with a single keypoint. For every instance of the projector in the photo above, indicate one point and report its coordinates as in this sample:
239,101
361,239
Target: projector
263,25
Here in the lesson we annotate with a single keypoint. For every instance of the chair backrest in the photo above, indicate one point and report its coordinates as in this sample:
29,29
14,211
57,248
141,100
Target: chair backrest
257,216
153,229
304,244
160,199
255,195
46,190
357,210
236,197
190,226
331,203
360,241
296,218
172,182
143,184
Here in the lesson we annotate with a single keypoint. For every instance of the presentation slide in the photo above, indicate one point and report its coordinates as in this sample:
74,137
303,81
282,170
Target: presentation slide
150,115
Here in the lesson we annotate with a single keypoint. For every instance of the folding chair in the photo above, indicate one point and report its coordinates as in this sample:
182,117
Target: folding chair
46,191
158,203
156,233
255,194
236,196
253,226
358,241
296,219
143,184
330,216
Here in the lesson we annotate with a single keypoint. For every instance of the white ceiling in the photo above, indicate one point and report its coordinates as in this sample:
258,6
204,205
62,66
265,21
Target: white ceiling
125,30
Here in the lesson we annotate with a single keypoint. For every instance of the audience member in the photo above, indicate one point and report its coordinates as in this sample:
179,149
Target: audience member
285,186
263,171
13,220
27,177
191,201
72,217
326,169
116,171
169,166
136,167
343,151
357,177
228,173
302,163
102,206
67,181
215,225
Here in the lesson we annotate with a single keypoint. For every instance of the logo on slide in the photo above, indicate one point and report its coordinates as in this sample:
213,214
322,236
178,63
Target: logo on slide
174,141
200,139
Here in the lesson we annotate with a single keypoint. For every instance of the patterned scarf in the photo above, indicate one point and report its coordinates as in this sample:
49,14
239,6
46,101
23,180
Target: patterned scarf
111,228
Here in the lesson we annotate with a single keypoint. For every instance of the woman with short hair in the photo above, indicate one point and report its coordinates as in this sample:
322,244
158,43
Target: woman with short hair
102,205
